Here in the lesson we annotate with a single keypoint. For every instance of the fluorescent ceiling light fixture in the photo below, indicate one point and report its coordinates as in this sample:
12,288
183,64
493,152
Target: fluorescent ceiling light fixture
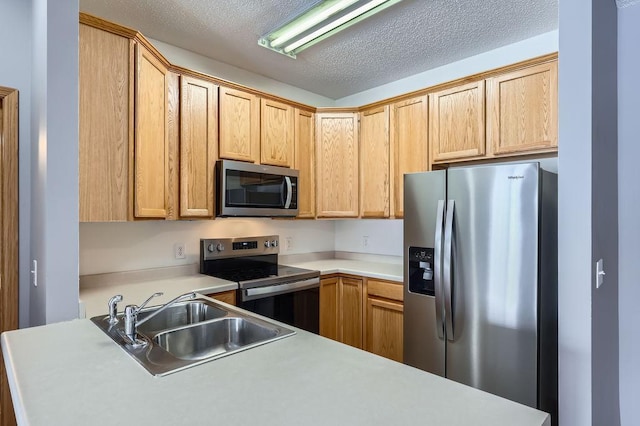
323,19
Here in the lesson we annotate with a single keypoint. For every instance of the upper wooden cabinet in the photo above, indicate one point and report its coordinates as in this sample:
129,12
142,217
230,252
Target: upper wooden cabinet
305,163
337,164
198,146
239,125
375,171
522,112
151,149
456,122
105,126
276,133
409,144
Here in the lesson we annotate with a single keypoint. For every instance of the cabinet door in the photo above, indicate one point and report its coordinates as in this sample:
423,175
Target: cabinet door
105,126
239,125
384,328
198,146
456,122
374,162
329,297
522,110
351,312
337,164
305,163
276,133
408,144
151,136
225,296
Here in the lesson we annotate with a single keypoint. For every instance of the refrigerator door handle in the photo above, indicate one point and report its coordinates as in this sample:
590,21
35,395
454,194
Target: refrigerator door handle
437,272
447,269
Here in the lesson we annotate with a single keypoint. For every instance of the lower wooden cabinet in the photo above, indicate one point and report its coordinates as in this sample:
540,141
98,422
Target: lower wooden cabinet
342,309
225,296
364,313
384,319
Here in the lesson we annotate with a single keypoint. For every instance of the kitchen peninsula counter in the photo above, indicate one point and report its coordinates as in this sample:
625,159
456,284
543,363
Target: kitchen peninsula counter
366,268
71,373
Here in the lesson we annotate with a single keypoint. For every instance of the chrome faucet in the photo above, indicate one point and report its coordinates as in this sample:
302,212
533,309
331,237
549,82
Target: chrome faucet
131,322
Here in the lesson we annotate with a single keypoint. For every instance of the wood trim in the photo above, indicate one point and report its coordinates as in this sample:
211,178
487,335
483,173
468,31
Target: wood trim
103,24
173,113
337,110
464,80
9,228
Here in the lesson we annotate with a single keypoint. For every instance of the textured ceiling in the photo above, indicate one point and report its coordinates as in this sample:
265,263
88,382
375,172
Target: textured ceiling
410,37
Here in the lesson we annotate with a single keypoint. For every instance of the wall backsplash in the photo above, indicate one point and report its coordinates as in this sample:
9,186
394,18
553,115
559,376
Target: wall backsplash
371,236
126,246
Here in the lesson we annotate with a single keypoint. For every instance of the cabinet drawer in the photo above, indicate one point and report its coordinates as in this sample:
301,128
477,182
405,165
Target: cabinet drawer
386,289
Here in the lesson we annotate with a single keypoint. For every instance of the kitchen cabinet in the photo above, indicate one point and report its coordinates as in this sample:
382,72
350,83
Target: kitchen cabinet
105,126
329,307
239,125
225,296
151,145
342,309
409,144
456,122
276,133
384,319
198,146
375,171
304,154
522,113
337,164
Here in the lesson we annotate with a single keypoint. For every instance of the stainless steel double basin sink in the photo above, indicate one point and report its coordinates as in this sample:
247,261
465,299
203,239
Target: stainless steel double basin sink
191,333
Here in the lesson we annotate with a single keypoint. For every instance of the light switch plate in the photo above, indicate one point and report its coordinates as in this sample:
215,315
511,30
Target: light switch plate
599,273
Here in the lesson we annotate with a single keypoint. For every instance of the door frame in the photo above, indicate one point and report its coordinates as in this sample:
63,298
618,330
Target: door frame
8,233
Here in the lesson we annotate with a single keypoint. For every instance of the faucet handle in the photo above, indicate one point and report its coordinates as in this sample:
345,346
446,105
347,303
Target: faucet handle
158,294
113,308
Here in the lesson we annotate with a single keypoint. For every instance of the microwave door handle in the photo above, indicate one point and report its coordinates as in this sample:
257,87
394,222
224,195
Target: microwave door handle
289,191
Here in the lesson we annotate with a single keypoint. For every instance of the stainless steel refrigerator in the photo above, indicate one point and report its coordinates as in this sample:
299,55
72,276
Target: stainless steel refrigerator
480,279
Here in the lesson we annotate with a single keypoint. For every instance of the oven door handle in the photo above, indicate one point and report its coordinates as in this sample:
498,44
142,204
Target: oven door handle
273,290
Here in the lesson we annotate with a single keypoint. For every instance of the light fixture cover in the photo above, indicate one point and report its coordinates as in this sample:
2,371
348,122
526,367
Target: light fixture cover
323,19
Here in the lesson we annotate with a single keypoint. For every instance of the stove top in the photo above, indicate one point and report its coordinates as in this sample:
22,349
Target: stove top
251,262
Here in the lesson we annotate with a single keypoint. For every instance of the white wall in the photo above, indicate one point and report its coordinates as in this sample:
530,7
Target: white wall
54,177
15,43
109,247
574,213
194,61
506,55
628,208
384,236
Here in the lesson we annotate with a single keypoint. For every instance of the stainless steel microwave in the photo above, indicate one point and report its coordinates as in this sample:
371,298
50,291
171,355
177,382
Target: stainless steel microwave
247,189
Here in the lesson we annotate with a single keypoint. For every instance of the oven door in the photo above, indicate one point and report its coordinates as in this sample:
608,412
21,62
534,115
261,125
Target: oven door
295,303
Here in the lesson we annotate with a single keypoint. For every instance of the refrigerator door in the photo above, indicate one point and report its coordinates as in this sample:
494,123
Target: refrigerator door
492,344
423,347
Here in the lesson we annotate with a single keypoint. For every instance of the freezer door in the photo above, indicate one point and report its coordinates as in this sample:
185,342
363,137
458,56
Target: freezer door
492,344
423,348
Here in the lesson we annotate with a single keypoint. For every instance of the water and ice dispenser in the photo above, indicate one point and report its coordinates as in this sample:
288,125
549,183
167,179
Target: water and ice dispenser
421,270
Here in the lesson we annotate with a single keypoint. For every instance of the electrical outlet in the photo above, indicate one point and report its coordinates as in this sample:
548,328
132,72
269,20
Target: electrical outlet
365,241
179,250
288,243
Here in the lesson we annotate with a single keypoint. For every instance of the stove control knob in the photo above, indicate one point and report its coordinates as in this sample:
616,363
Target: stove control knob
274,243
267,244
211,248
220,247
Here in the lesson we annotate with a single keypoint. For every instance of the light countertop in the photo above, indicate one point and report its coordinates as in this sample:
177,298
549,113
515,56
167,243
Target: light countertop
385,271
94,297
71,373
